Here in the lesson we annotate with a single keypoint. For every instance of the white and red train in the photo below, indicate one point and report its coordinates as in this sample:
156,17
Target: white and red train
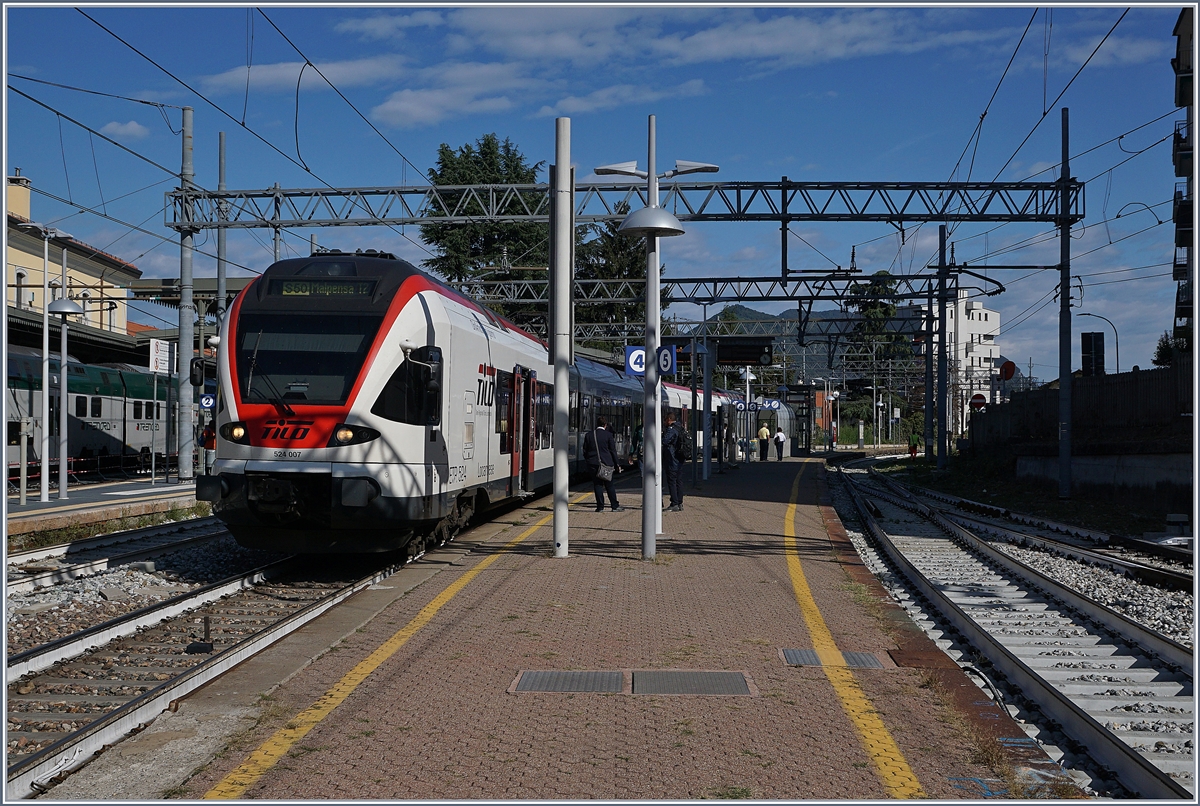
365,406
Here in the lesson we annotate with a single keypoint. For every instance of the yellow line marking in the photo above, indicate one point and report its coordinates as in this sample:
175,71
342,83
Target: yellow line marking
890,765
261,760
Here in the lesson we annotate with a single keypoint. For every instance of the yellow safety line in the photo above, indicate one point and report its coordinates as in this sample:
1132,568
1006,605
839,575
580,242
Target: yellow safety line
897,777
266,756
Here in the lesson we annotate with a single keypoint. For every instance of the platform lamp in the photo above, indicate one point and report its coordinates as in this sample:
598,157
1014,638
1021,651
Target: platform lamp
652,222
63,307
46,233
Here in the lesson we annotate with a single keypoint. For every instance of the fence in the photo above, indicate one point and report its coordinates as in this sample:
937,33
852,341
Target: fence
1104,408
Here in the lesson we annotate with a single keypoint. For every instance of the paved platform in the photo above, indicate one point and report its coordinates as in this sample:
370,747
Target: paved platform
419,689
93,503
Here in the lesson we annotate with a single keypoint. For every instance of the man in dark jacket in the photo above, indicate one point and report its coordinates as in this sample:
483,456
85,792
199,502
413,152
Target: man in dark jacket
672,436
600,447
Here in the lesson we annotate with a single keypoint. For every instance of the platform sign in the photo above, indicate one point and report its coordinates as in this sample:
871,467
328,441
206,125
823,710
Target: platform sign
739,405
162,357
666,360
978,401
208,401
635,360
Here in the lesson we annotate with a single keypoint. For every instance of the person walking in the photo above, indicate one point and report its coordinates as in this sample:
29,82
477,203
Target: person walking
600,456
673,435
208,438
780,438
764,442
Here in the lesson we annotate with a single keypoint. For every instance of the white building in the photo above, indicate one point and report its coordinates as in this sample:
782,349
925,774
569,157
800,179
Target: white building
972,356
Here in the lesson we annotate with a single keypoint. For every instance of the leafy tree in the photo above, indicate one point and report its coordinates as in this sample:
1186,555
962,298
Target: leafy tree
487,248
1170,346
875,305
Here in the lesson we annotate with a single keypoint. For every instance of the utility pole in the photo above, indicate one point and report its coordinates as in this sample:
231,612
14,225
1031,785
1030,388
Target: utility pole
562,231
929,378
943,271
1064,326
222,213
187,314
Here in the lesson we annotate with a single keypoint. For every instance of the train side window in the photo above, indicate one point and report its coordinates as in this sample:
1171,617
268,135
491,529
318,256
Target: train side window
96,410
81,406
137,409
413,394
544,416
504,391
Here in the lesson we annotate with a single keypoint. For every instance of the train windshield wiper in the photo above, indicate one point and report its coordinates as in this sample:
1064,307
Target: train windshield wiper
275,399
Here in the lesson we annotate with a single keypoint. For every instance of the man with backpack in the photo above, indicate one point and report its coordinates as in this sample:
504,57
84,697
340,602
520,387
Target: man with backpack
672,450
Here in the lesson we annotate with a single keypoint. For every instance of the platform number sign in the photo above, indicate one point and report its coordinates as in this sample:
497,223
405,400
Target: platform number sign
208,401
635,360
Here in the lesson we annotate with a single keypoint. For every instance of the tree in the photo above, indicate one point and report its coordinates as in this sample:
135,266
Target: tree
1168,347
873,302
468,251
608,255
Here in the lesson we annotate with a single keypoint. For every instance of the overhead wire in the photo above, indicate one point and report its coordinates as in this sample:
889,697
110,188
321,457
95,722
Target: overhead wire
248,129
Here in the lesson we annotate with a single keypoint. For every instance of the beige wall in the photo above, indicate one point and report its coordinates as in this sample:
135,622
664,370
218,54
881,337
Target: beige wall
90,283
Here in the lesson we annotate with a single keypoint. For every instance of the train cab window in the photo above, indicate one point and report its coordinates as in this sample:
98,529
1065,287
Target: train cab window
504,412
137,409
413,394
301,358
96,410
81,406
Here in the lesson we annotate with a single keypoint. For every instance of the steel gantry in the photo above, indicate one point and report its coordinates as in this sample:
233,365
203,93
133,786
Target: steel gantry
897,203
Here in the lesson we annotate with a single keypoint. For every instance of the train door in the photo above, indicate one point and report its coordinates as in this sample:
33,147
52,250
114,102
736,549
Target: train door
521,430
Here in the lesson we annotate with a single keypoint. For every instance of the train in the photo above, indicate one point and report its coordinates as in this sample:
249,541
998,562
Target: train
116,416
365,406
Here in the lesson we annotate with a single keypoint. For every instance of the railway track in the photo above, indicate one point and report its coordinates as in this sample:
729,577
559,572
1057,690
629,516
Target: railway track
63,706
1120,692
52,565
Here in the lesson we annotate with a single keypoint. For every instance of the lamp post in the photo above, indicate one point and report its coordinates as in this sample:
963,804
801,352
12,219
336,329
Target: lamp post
46,234
652,222
836,425
749,376
1116,338
63,307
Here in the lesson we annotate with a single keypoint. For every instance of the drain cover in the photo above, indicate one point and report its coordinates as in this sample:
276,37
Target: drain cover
676,682
808,657
613,682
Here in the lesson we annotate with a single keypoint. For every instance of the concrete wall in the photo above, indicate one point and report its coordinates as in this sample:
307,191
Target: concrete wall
1161,478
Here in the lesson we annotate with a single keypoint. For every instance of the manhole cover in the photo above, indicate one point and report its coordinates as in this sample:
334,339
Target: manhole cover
809,657
572,681
682,682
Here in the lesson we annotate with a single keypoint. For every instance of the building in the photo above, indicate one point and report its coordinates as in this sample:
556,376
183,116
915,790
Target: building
972,355
97,281
1181,154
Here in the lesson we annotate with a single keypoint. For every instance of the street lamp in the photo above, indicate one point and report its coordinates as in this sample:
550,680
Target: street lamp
1116,339
834,396
46,234
652,222
62,307
749,376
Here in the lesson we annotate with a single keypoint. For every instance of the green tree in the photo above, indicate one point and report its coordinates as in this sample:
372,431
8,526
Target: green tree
486,248
874,303
1169,347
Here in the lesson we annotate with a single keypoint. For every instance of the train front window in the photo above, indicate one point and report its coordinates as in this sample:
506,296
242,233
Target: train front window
302,358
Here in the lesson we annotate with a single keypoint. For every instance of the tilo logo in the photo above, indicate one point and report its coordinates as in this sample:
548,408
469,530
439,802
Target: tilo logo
286,429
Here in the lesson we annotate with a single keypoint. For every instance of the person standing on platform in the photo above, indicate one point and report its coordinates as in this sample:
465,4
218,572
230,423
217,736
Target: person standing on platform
600,450
764,442
912,445
673,435
780,438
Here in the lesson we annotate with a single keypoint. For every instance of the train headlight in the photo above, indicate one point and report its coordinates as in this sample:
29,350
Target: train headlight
352,435
236,432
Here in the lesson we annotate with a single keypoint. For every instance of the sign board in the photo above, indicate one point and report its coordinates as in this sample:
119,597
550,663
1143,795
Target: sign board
635,360
739,405
208,401
162,357
1007,370
978,401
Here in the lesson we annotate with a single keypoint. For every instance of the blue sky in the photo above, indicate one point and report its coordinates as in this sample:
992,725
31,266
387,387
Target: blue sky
834,94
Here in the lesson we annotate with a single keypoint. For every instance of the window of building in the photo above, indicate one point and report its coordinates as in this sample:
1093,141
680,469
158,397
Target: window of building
20,290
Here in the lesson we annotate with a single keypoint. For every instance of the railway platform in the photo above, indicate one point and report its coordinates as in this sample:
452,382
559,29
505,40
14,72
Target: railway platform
754,657
96,502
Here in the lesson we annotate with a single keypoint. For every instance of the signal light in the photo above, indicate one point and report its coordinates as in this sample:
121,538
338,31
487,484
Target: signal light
196,371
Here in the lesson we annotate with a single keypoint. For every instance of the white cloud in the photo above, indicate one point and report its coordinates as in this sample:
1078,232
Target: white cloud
282,76
125,131
457,89
620,95
1119,51
389,26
